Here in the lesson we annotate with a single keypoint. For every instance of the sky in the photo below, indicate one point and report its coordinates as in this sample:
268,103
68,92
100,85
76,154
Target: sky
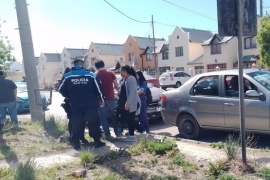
56,24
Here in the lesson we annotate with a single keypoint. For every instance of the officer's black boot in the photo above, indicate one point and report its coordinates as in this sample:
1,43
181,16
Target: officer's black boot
98,143
76,144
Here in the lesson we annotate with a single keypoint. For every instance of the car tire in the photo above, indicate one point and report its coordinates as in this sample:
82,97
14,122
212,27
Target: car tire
178,84
188,127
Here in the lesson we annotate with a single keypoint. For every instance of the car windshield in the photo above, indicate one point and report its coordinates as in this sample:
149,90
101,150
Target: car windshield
263,77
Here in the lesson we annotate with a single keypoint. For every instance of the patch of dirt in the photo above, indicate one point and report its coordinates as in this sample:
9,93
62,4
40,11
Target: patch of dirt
59,159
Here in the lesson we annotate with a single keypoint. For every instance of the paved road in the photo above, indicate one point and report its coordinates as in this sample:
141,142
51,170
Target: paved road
155,127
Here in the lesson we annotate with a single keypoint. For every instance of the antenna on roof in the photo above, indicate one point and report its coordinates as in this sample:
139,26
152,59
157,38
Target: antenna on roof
58,56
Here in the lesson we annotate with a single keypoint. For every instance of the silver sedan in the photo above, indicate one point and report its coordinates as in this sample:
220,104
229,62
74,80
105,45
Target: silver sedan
211,101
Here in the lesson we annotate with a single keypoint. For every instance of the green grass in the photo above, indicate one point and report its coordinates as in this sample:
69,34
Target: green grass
54,127
165,177
226,177
26,170
5,173
218,145
264,173
160,147
186,165
231,146
215,169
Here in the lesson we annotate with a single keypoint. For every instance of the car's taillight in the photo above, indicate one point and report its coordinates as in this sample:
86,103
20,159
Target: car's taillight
163,98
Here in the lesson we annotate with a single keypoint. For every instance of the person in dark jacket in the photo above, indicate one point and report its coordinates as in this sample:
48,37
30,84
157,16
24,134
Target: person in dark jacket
67,107
82,89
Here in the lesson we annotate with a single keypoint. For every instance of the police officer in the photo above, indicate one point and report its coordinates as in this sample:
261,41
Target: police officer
82,89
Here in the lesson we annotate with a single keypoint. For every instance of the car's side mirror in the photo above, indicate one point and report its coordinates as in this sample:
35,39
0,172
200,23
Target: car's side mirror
255,94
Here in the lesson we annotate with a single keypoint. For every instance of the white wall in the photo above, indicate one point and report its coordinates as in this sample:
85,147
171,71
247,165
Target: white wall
16,67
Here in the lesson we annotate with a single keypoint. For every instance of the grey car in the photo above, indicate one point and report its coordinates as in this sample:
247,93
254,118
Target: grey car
211,101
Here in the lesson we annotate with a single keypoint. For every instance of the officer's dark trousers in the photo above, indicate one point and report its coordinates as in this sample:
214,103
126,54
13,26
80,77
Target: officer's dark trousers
81,115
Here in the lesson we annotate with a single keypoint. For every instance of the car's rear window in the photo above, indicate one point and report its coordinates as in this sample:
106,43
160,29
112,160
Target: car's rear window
263,77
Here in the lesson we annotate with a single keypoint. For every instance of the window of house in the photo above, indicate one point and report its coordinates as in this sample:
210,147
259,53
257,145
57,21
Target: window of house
148,57
180,69
179,51
164,69
43,67
165,55
199,69
65,55
215,48
177,36
131,56
250,43
206,86
212,67
92,50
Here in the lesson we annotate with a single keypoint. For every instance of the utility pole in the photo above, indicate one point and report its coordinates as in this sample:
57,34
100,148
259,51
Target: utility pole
155,56
28,59
261,8
240,16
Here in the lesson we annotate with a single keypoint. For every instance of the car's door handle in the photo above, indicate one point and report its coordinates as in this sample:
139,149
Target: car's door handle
229,104
191,101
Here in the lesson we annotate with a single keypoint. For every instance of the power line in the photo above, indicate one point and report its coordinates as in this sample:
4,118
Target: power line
125,14
189,10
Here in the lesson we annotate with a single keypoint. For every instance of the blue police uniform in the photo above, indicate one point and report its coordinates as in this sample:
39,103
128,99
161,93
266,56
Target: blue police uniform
82,89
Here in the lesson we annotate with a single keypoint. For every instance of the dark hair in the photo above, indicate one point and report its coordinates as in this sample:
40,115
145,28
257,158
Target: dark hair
78,61
99,64
67,70
141,77
1,73
129,70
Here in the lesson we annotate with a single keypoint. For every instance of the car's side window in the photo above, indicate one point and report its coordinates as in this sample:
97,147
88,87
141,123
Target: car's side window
232,86
181,74
186,75
206,86
176,75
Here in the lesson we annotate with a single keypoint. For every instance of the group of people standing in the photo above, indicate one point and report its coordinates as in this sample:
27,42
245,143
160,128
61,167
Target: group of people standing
92,99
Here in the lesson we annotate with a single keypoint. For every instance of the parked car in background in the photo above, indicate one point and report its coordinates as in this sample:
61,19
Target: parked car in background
151,80
23,100
153,109
211,101
173,79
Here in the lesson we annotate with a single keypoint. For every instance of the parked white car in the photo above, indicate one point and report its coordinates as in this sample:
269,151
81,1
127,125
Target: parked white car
173,79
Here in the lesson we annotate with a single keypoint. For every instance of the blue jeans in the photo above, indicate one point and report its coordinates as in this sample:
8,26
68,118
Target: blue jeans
143,114
109,108
11,107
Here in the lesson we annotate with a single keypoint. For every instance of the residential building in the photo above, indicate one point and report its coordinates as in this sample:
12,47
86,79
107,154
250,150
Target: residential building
185,45
69,54
139,53
250,51
15,67
220,52
49,69
162,51
109,53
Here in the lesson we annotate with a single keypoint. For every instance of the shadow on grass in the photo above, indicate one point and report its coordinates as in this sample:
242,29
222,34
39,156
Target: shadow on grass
54,127
9,155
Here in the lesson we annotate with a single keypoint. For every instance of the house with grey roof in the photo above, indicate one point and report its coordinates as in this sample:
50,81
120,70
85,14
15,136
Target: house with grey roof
140,52
185,46
49,68
109,53
69,54
220,53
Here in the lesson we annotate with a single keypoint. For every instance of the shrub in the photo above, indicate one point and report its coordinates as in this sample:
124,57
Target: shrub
264,173
231,146
215,169
26,170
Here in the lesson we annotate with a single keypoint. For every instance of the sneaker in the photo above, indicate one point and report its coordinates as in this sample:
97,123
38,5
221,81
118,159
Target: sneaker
144,134
130,139
99,144
84,141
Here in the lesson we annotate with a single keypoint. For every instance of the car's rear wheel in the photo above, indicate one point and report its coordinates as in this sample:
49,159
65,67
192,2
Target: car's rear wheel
178,84
188,127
